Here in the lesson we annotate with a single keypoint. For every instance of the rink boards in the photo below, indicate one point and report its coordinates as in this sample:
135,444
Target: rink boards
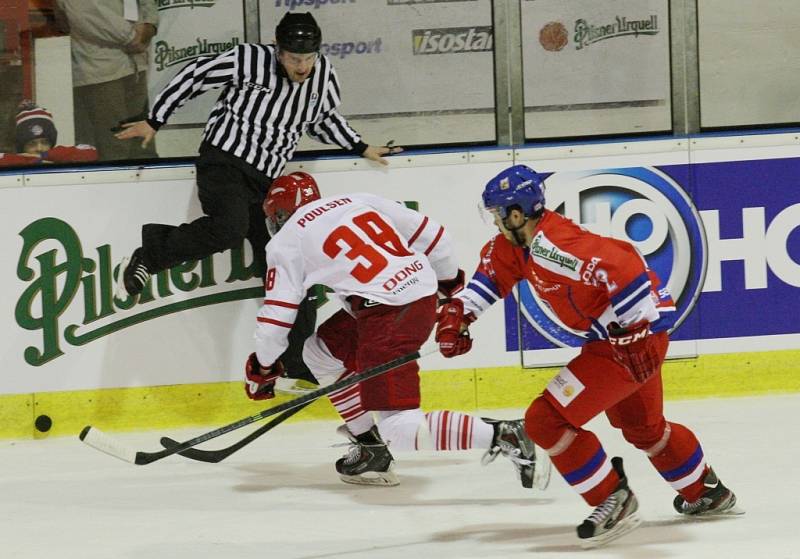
717,217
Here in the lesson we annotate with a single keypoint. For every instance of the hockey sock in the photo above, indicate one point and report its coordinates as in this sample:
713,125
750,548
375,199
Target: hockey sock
577,454
452,430
404,429
679,459
585,466
348,403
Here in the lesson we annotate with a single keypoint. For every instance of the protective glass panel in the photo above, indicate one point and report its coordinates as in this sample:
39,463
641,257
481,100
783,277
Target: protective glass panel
25,28
87,67
749,68
416,72
188,30
595,67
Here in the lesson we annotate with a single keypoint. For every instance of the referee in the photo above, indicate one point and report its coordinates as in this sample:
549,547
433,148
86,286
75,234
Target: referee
271,95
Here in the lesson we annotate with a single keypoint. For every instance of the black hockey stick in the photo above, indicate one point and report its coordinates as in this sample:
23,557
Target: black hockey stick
105,443
221,454
214,456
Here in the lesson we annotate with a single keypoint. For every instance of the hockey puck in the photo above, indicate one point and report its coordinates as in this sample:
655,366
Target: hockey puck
43,423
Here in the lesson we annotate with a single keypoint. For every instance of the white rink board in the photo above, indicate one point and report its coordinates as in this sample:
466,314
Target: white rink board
208,344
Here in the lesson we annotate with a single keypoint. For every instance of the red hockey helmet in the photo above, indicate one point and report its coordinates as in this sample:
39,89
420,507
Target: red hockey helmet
286,194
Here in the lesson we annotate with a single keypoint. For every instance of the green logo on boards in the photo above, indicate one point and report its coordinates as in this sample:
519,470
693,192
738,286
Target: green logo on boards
61,277
167,55
587,33
191,4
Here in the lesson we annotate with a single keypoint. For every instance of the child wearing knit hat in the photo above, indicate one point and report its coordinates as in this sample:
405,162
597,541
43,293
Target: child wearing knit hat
35,139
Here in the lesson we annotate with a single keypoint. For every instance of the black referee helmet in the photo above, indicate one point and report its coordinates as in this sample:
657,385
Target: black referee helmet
298,33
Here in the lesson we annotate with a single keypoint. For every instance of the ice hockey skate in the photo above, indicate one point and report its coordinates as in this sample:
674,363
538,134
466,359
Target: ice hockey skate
133,275
368,460
614,517
716,499
510,440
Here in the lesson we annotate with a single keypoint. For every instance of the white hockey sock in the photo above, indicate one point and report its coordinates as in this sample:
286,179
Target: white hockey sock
348,403
452,430
403,429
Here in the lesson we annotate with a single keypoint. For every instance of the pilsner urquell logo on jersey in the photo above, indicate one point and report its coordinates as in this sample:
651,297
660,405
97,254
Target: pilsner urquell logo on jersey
554,259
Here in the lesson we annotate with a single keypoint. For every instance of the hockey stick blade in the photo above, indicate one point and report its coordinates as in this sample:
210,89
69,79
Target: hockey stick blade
104,443
214,456
99,440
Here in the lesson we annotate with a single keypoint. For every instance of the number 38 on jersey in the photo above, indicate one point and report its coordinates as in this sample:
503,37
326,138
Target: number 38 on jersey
369,261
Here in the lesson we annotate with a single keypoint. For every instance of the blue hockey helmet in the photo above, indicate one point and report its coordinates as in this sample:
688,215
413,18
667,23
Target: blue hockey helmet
518,186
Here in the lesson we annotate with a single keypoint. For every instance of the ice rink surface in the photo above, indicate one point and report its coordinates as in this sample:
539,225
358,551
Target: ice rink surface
280,497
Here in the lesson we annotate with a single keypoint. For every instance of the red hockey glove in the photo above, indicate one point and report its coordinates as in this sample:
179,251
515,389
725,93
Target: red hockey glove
260,381
448,288
634,348
451,328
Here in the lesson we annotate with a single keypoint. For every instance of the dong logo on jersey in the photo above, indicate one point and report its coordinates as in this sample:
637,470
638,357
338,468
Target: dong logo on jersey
642,205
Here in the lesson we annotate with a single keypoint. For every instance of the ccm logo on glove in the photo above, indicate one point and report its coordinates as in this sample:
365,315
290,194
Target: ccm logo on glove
634,349
629,339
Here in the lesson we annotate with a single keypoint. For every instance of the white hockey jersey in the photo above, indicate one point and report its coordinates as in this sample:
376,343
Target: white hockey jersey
356,244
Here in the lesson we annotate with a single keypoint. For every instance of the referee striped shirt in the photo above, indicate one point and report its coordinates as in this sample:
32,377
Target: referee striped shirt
261,114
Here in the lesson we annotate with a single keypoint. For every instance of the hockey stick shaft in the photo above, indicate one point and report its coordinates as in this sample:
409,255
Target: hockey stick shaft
105,443
214,456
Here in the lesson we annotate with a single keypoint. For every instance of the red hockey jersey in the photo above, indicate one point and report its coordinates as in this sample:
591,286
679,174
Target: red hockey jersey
586,280
57,154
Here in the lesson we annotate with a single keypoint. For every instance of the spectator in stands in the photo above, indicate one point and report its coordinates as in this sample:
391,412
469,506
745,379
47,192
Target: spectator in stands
35,137
110,44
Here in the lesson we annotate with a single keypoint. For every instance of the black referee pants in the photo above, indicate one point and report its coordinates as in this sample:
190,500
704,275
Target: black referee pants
231,198
231,195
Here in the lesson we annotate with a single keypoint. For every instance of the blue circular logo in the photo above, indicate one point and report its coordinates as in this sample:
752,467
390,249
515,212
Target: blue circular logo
641,205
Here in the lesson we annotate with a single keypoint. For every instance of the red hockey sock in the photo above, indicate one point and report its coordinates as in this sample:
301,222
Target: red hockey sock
586,467
679,459
348,403
576,453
